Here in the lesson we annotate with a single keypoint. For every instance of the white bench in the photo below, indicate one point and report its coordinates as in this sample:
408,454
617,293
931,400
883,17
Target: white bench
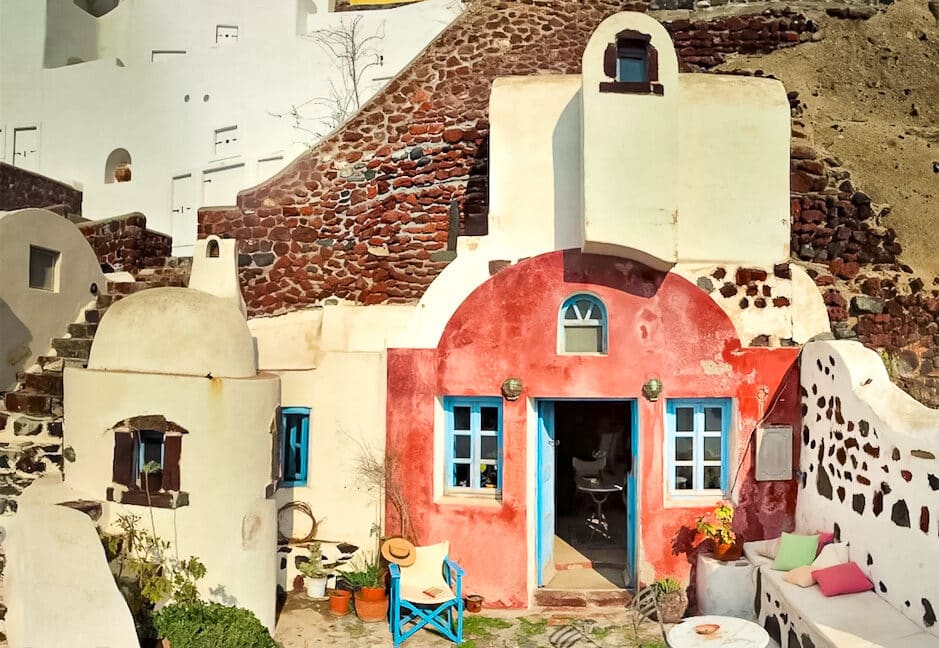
797,617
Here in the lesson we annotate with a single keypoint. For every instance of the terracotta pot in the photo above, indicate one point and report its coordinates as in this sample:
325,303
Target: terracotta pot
371,611
371,593
122,173
727,552
672,606
474,603
339,601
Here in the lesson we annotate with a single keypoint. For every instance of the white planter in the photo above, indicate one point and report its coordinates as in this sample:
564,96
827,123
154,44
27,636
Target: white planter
315,587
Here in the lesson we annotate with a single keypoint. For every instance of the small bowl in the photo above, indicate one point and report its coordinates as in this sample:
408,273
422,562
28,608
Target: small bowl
706,628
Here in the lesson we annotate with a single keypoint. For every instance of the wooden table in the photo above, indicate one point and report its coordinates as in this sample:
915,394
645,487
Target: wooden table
733,633
598,489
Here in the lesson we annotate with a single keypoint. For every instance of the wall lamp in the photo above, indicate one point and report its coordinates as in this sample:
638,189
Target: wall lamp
652,389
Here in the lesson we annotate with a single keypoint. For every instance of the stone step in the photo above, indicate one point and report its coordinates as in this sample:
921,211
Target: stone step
47,383
94,315
72,347
30,402
57,363
582,598
82,330
102,301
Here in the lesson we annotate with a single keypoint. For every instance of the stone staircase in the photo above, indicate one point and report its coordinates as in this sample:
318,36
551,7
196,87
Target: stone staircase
31,415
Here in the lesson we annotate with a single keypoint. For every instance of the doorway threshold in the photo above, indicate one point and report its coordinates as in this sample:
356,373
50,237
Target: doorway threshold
550,597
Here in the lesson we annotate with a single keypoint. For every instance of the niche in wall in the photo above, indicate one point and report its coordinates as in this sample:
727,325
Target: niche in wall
117,166
97,8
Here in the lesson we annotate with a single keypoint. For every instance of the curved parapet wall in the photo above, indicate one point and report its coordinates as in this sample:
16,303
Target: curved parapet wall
869,471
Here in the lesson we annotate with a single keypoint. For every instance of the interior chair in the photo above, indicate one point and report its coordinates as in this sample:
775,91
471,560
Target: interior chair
428,593
646,605
587,468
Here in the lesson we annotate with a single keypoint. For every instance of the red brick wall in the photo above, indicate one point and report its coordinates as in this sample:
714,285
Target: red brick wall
20,188
360,215
125,243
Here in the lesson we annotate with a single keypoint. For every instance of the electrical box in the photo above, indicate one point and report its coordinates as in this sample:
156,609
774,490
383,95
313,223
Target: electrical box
774,453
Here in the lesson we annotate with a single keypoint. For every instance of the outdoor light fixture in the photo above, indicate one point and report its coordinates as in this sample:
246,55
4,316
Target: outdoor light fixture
652,389
512,388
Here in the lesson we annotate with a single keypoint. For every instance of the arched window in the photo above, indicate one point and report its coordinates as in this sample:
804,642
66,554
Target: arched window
211,249
117,166
582,326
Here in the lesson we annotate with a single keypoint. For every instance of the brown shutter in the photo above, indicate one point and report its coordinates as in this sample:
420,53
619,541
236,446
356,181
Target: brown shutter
609,61
275,450
123,467
172,449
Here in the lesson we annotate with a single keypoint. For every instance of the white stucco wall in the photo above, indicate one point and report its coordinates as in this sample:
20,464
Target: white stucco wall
225,466
869,459
174,331
165,113
31,317
217,275
57,585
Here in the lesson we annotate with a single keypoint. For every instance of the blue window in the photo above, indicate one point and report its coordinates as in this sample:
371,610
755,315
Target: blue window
696,445
473,445
632,64
295,444
582,325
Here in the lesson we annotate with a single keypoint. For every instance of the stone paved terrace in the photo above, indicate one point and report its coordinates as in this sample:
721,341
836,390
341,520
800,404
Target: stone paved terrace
305,623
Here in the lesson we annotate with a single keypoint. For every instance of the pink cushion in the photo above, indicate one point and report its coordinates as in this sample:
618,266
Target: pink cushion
824,539
846,578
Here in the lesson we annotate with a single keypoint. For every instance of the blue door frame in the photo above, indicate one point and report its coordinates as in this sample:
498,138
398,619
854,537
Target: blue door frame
544,536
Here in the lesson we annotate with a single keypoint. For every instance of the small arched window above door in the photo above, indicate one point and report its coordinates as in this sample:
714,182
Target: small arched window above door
582,325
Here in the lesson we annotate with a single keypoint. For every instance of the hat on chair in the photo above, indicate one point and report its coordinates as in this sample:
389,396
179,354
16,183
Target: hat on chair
399,551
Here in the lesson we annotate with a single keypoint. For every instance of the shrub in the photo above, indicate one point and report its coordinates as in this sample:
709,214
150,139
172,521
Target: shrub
211,625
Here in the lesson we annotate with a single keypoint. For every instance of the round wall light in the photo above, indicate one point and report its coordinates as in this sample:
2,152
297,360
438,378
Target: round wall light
512,388
652,389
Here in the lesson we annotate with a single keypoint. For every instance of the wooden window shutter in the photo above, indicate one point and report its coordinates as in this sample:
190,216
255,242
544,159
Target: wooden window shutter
172,449
276,449
609,61
123,467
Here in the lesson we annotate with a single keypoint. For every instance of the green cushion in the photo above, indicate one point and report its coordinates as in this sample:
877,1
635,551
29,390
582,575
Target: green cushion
795,551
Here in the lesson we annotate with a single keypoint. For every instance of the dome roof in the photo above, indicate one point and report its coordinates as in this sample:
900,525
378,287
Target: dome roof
174,331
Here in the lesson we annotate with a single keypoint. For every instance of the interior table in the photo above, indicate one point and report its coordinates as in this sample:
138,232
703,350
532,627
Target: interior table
598,489
731,633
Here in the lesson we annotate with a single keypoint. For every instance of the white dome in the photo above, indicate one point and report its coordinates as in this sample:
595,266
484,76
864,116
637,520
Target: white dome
174,331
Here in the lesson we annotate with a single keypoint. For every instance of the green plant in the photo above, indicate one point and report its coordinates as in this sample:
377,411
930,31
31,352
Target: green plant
211,625
667,585
365,571
721,529
314,568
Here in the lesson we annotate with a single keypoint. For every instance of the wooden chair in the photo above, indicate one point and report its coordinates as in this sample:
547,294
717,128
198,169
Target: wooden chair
428,593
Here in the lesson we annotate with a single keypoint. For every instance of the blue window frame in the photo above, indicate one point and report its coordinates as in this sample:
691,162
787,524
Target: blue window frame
696,445
295,445
473,445
582,325
632,64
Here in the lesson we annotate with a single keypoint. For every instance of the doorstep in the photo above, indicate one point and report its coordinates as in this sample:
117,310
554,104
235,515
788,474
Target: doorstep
549,598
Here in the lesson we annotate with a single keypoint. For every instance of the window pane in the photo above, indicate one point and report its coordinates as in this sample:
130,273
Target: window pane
570,313
684,419
585,306
631,66
461,475
712,477
489,448
489,418
713,419
712,448
461,446
461,418
684,448
489,476
684,477
42,264
583,339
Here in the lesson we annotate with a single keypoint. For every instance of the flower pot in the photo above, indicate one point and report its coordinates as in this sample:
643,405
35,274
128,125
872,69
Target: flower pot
315,587
372,593
122,173
339,601
728,551
474,603
371,611
672,606
151,482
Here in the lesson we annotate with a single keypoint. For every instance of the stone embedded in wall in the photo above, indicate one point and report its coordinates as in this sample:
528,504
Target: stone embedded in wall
20,188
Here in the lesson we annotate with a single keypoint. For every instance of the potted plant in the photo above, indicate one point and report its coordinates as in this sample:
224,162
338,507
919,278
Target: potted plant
314,572
720,531
672,599
339,600
371,600
151,477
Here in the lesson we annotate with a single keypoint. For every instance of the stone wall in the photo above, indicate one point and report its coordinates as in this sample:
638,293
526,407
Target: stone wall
125,243
20,188
362,215
30,447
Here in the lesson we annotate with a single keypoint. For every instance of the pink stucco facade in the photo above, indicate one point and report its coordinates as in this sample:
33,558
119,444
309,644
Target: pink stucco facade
659,325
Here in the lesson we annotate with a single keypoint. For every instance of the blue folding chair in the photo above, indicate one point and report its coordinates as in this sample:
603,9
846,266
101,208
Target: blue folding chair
428,593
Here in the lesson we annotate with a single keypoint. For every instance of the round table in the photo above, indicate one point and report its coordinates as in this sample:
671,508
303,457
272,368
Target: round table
733,633
598,489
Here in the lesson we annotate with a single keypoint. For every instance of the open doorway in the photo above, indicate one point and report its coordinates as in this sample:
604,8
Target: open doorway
586,493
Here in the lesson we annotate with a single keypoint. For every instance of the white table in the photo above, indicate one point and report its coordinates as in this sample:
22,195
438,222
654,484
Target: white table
733,633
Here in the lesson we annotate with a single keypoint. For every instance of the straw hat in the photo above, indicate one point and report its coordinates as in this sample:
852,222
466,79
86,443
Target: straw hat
399,551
